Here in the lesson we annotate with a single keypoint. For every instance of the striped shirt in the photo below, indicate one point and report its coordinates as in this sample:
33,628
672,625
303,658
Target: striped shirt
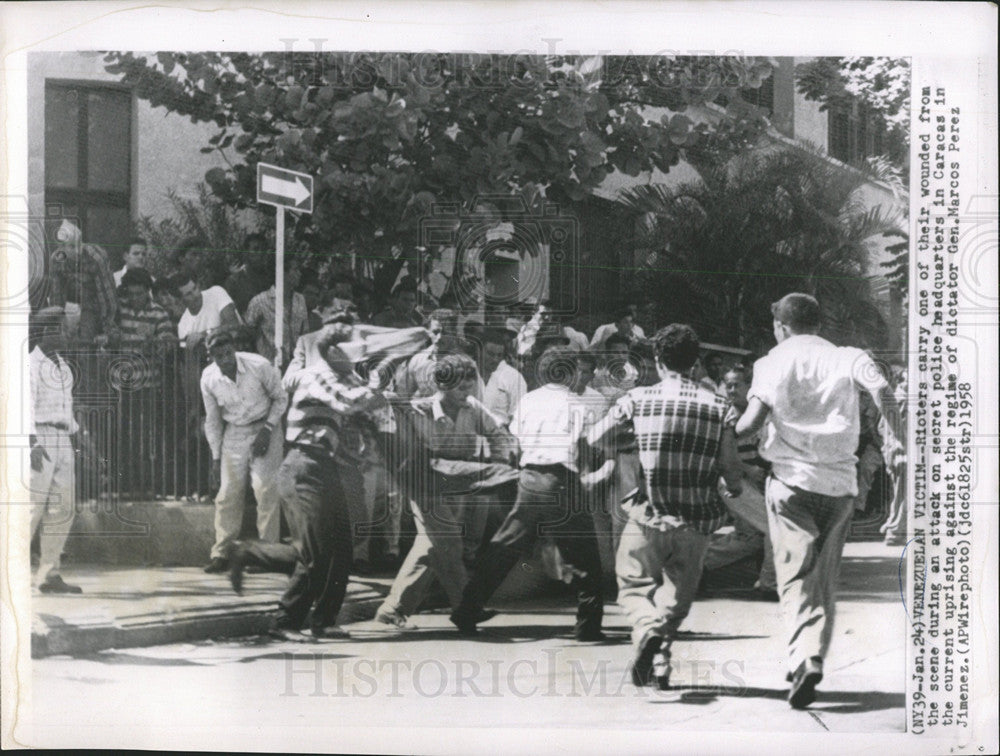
331,412
261,315
678,427
140,330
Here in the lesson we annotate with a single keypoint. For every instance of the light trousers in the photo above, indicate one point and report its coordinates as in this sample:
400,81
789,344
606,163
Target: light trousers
52,499
238,463
658,574
808,531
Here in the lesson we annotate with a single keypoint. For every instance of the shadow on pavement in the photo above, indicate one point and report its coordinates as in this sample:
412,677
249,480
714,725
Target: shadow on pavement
833,702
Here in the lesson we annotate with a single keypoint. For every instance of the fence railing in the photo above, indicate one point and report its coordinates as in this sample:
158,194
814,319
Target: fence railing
142,412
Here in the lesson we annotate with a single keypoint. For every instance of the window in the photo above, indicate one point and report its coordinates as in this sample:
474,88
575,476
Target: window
88,143
854,134
761,97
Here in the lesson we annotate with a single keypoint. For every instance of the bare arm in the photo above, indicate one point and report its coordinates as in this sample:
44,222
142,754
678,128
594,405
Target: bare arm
753,419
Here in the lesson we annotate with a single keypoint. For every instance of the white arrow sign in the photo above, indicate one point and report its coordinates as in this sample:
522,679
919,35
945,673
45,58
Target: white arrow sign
295,190
284,188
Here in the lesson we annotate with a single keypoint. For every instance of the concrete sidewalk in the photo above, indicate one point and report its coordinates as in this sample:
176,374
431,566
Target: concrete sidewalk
148,606
128,607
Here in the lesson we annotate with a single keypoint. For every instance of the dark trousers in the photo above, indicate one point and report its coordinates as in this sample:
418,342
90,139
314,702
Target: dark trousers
546,506
311,492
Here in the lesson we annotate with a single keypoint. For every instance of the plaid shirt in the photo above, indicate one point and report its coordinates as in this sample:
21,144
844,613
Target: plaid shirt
678,428
332,413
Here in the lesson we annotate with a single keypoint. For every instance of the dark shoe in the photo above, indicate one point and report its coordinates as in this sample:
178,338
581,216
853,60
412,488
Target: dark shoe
804,682
765,594
466,625
590,636
642,665
217,566
55,584
484,615
237,564
661,670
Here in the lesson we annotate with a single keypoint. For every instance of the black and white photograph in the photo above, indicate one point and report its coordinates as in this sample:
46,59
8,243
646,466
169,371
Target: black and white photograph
438,394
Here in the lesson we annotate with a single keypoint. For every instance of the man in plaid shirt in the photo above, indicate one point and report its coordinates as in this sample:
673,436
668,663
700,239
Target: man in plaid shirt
683,444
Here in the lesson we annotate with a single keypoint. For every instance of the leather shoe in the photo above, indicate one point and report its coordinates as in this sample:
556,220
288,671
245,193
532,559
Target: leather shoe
217,566
590,636
237,564
393,619
765,594
330,632
55,584
466,625
484,615
804,682
642,665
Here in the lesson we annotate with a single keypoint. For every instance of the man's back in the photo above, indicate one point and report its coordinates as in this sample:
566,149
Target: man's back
678,427
811,388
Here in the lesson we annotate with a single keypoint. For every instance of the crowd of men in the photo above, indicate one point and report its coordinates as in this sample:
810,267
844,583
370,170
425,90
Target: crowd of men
495,433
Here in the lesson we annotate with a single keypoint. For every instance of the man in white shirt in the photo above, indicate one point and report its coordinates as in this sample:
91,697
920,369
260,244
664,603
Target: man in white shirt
624,326
53,429
804,395
504,384
244,402
135,259
548,424
205,311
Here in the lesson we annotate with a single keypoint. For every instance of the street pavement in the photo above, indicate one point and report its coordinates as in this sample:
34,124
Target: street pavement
524,670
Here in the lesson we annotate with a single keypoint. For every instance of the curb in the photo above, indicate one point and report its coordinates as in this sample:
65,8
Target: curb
81,640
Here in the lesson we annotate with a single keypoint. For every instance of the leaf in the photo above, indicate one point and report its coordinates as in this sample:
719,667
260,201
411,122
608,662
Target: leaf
515,137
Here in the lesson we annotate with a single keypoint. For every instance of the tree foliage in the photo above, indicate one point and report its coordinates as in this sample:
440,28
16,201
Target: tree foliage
880,85
767,223
391,136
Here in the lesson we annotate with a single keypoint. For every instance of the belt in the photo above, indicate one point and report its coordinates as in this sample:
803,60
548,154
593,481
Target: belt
58,426
555,469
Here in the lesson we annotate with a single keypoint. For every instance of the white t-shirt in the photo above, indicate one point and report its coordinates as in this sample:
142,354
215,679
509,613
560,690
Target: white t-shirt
606,331
811,434
213,301
503,391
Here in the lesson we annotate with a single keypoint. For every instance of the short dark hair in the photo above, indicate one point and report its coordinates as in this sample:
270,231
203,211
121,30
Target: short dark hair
616,339
586,358
137,277
137,240
495,336
625,311
557,364
452,369
798,311
177,280
676,346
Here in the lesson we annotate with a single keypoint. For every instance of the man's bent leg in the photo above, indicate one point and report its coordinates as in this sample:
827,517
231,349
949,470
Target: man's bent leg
639,565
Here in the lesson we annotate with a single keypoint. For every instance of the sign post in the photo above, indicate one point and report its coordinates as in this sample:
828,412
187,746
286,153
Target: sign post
284,189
